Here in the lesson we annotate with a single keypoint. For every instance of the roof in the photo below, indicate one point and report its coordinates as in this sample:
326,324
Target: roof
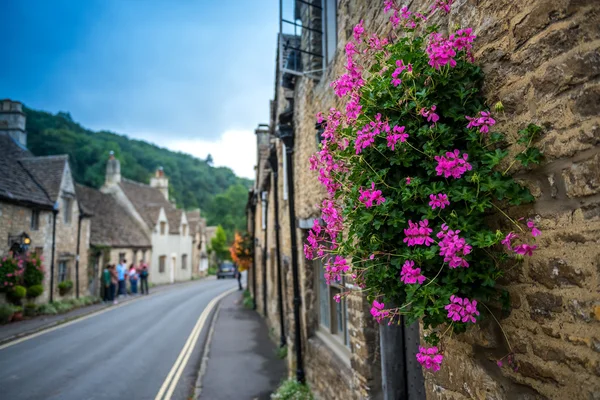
16,182
111,225
148,202
48,171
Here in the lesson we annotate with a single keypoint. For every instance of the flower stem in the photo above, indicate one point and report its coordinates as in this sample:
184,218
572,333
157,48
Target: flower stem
500,325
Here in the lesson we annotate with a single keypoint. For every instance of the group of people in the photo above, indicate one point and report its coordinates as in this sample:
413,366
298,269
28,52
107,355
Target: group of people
115,277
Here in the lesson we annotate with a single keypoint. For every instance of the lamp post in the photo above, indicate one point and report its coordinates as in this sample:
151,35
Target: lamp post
286,134
275,168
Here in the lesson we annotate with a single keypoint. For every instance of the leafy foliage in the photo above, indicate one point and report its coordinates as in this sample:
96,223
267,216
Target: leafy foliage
411,172
241,251
194,183
218,244
65,287
291,389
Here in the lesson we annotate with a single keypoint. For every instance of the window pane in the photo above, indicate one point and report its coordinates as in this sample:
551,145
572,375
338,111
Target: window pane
324,296
330,28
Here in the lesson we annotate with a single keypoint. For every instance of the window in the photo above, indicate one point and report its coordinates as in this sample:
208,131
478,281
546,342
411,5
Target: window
35,220
63,271
67,209
163,227
162,261
184,261
184,230
121,257
329,30
333,316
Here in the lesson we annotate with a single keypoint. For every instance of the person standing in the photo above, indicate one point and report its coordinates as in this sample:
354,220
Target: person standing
239,278
133,279
121,271
144,279
114,280
106,284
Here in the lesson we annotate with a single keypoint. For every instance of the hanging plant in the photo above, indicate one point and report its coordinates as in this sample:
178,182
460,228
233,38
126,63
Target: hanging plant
412,170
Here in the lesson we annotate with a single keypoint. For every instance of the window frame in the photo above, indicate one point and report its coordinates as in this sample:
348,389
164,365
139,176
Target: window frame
67,210
63,273
163,227
162,264
35,219
184,261
327,30
341,336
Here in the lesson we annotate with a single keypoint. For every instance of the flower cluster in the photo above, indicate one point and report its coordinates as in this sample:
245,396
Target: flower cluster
483,121
430,358
410,275
438,201
452,164
418,234
371,197
462,309
334,270
378,312
453,248
393,85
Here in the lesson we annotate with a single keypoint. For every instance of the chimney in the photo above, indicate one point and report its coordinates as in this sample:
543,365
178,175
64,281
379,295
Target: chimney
113,170
12,121
160,181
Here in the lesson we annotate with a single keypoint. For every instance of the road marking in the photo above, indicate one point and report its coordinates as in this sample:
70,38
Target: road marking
170,383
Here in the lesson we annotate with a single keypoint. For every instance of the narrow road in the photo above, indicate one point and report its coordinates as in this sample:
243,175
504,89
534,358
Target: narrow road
124,353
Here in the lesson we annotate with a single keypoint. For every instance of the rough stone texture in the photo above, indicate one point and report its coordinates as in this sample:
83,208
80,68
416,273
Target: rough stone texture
541,59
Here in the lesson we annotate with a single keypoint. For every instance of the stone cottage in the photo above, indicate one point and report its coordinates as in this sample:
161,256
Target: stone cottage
540,59
114,235
199,243
35,194
158,219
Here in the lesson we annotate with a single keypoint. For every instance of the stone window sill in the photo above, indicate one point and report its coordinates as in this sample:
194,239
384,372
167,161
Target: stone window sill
342,352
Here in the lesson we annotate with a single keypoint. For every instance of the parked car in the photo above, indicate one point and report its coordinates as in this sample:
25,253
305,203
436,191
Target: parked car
227,269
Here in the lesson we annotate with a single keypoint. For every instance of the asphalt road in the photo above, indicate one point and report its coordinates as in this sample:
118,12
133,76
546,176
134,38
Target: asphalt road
124,353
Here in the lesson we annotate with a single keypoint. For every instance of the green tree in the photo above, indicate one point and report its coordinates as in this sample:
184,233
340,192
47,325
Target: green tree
218,244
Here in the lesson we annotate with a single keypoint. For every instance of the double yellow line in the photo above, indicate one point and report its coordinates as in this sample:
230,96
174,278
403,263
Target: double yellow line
169,385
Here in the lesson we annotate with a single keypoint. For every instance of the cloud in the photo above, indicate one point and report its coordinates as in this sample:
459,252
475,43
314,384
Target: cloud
235,149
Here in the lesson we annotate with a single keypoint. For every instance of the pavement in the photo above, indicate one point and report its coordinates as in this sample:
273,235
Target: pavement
241,361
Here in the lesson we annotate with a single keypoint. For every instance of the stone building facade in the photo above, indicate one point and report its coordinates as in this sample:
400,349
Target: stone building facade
166,226
33,192
541,59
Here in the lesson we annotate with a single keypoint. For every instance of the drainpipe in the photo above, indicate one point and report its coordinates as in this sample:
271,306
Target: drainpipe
265,199
54,213
77,257
275,168
286,134
254,243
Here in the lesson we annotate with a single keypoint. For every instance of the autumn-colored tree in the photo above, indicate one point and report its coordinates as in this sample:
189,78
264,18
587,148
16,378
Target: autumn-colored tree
241,251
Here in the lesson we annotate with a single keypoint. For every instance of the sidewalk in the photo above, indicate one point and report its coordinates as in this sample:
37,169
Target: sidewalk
241,362
15,330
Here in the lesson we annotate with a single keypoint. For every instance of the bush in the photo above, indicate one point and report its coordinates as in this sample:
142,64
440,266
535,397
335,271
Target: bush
281,352
47,309
16,294
65,287
63,306
34,271
292,390
31,310
249,302
75,302
11,272
212,270
6,313
35,291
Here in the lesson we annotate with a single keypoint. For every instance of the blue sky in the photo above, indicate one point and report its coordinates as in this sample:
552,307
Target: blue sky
190,75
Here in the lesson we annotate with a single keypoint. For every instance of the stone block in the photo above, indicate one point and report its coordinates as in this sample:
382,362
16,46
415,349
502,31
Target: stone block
583,178
542,305
556,273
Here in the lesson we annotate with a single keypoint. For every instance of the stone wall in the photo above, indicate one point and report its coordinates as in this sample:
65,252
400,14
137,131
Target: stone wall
542,61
